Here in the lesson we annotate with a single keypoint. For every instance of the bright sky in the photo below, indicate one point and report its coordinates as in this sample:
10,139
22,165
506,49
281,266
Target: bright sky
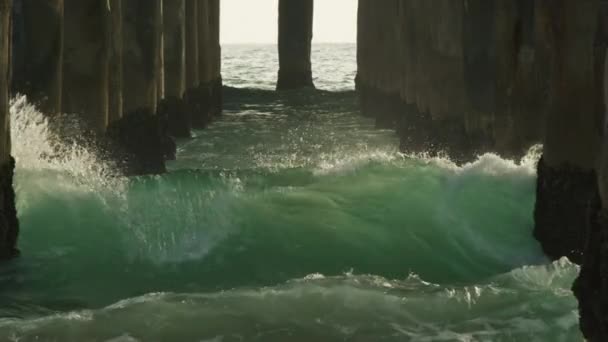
255,21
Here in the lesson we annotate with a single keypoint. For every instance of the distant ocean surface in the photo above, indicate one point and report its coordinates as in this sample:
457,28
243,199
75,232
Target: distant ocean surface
256,66
291,218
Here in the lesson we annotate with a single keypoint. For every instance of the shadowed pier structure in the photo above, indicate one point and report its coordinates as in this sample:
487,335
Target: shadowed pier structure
38,53
86,61
458,76
174,45
9,226
129,70
295,38
467,77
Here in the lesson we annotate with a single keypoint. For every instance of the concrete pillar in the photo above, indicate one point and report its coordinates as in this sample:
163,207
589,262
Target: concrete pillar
191,98
141,62
591,287
519,89
566,177
217,87
39,55
160,56
480,55
448,46
415,127
504,45
361,44
174,28
504,75
9,226
467,73
174,35
141,135
363,65
386,35
445,70
115,106
201,115
205,53
411,42
530,80
5,77
480,69
424,17
192,74
295,37
374,83
86,65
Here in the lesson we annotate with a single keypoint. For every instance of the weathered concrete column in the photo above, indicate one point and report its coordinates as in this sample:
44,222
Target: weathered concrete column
38,58
566,177
160,55
445,70
174,32
192,74
423,30
141,28
387,107
216,57
480,69
363,46
418,129
9,226
501,68
591,287
520,84
5,65
376,85
140,133
193,105
295,38
116,67
202,116
416,126
86,61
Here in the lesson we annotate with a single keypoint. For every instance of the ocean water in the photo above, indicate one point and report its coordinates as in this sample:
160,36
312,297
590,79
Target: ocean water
291,218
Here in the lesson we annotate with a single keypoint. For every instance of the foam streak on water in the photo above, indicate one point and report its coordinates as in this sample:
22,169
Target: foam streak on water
290,219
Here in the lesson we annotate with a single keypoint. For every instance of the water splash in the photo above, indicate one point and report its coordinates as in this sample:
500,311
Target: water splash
39,147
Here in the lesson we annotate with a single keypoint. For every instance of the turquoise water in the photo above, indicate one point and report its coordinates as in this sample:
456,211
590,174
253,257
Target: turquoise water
290,219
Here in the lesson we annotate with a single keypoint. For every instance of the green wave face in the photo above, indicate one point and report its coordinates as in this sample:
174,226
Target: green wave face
385,218
290,219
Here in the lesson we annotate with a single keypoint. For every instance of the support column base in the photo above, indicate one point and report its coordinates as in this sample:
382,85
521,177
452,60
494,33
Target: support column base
415,131
591,286
386,108
9,225
217,97
198,105
290,80
141,143
450,136
178,119
565,197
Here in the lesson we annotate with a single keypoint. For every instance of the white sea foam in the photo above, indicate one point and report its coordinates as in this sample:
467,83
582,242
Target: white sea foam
342,307
491,163
36,147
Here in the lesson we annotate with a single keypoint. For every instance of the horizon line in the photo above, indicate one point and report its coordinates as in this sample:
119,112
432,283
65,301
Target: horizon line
275,43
